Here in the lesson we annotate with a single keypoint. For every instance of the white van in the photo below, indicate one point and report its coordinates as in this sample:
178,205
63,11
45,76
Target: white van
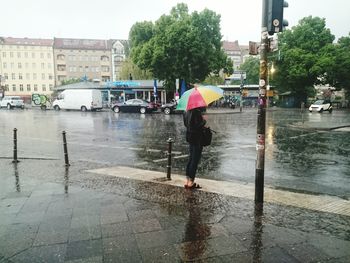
79,99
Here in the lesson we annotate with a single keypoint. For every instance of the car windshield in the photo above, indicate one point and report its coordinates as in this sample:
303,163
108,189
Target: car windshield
319,102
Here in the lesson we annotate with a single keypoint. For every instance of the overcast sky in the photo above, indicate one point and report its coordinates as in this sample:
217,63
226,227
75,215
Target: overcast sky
104,19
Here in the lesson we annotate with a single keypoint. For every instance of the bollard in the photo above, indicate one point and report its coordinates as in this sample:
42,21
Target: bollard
65,149
170,142
15,160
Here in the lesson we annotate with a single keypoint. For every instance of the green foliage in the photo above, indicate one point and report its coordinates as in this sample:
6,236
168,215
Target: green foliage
338,65
128,67
180,45
214,80
251,67
70,81
303,57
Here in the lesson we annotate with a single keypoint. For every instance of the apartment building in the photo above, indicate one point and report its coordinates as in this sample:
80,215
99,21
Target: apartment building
233,51
26,66
82,59
118,56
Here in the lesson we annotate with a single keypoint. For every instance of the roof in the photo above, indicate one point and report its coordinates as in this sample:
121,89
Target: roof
80,85
231,46
135,84
26,41
75,43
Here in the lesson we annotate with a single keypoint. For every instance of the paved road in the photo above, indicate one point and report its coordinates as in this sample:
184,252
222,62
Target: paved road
302,152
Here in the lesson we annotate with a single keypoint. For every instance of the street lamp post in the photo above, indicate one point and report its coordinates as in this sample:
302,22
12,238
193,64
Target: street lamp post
241,91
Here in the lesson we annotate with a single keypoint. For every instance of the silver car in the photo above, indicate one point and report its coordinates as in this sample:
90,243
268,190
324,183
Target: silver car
12,102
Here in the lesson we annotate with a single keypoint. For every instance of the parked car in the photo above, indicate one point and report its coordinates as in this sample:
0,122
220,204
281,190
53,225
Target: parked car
12,102
170,108
321,105
134,105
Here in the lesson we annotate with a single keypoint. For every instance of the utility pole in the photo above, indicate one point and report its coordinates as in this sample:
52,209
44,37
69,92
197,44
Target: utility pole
241,93
260,139
272,22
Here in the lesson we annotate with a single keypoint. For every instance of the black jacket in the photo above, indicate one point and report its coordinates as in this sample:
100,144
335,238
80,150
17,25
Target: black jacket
194,122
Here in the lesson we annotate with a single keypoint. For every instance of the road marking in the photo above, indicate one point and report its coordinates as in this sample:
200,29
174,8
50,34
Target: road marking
321,203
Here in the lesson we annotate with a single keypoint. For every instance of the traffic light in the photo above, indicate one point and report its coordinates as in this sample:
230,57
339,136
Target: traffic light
275,21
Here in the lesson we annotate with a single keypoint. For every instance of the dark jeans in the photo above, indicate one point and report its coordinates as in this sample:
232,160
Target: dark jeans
195,156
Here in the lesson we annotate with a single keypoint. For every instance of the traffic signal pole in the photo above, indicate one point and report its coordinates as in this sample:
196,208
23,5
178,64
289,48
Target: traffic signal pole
260,139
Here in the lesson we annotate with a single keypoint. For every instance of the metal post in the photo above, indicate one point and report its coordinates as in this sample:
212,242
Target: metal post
241,93
170,142
15,160
260,140
65,149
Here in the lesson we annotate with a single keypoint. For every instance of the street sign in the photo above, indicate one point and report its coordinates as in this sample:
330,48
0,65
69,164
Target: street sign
237,75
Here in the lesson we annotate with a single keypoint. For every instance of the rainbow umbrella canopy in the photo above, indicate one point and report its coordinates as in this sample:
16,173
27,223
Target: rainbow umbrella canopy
198,97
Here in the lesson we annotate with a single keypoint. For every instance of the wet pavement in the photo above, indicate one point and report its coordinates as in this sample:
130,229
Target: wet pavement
52,214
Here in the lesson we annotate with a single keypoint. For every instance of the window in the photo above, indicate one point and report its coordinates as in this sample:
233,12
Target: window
7,87
48,55
4,54
12,65
43,76
104,58
105,69
27,65
20,87
13,75
19,65
33,55
27,76
51,87
50,76
6,76
13,87
19,54
42,65
11,54
4,65
20,76
34,76
41,55
80,68
33,65
35,87
86,68
49,65
29,88
26,54
60,57
61,67
44,87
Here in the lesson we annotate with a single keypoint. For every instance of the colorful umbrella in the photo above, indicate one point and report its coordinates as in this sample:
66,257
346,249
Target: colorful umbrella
199,96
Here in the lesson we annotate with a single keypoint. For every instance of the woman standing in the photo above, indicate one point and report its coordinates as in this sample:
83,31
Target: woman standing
194,123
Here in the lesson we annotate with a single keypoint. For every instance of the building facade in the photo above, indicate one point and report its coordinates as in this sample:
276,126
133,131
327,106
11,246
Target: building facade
26,66
118,57
88,59
233,51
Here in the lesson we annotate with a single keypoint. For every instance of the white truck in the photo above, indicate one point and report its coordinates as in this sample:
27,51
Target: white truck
78,99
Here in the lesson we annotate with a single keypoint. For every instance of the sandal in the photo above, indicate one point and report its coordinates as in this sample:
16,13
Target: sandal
194,186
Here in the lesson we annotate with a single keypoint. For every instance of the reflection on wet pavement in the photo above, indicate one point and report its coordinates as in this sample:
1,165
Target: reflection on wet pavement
298,157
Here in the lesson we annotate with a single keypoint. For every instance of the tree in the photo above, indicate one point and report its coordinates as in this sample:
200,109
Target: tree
338,65
299,66
128,67
180,45
251,67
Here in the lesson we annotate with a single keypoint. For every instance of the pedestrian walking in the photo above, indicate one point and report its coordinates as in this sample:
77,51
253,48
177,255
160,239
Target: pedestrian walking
194,123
